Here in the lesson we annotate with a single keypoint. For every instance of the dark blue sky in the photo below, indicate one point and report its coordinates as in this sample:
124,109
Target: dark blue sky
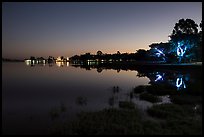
43,29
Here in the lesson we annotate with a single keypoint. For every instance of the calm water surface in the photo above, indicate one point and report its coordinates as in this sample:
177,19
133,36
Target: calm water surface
33,96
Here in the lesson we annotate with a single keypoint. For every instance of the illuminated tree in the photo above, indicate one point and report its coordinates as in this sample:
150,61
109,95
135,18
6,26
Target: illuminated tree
160,51
199,49
184,40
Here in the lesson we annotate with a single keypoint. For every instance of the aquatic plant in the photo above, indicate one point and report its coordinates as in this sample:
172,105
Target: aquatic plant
126,104
81,101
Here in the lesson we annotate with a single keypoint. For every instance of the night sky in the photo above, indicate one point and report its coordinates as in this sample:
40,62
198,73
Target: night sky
66,29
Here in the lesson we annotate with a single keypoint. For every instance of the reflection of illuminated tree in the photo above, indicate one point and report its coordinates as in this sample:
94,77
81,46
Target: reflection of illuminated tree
174,79
180,83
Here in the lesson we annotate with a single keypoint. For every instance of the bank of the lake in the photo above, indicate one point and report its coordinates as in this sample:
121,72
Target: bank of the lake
183,116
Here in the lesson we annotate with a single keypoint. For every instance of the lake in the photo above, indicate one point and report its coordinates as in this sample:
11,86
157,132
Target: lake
34,98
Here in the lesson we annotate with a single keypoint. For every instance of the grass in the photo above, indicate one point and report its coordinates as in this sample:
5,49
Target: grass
178,119
175,120
186,99
156,89
105,122
54,113
165,111
165,119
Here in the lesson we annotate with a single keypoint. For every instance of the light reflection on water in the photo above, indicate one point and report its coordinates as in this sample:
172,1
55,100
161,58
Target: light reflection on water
35,97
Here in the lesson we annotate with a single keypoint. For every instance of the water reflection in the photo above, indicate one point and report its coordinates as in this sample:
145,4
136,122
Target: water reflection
178,79
173,78
50,64
31,97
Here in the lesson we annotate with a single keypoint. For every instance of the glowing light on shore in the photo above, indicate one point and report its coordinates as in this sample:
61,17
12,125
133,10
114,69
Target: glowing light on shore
58,59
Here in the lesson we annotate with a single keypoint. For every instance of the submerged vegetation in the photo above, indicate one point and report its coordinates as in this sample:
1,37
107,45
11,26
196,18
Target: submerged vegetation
183,116
174,119
126,104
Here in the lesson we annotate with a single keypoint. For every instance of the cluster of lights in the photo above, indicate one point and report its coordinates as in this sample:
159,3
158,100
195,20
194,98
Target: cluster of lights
61,64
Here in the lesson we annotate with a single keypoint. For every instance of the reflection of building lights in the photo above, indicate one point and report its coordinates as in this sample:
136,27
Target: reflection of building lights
60,64
28,62
67,63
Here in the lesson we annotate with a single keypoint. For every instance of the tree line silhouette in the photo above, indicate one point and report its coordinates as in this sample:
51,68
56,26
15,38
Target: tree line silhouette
185,45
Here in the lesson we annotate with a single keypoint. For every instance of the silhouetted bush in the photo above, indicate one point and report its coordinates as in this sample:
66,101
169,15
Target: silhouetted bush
150,97
139,89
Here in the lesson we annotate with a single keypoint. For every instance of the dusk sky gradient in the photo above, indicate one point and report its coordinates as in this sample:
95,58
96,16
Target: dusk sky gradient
66,29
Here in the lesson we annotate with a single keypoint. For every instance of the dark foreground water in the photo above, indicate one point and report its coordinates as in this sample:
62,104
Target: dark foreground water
34,98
